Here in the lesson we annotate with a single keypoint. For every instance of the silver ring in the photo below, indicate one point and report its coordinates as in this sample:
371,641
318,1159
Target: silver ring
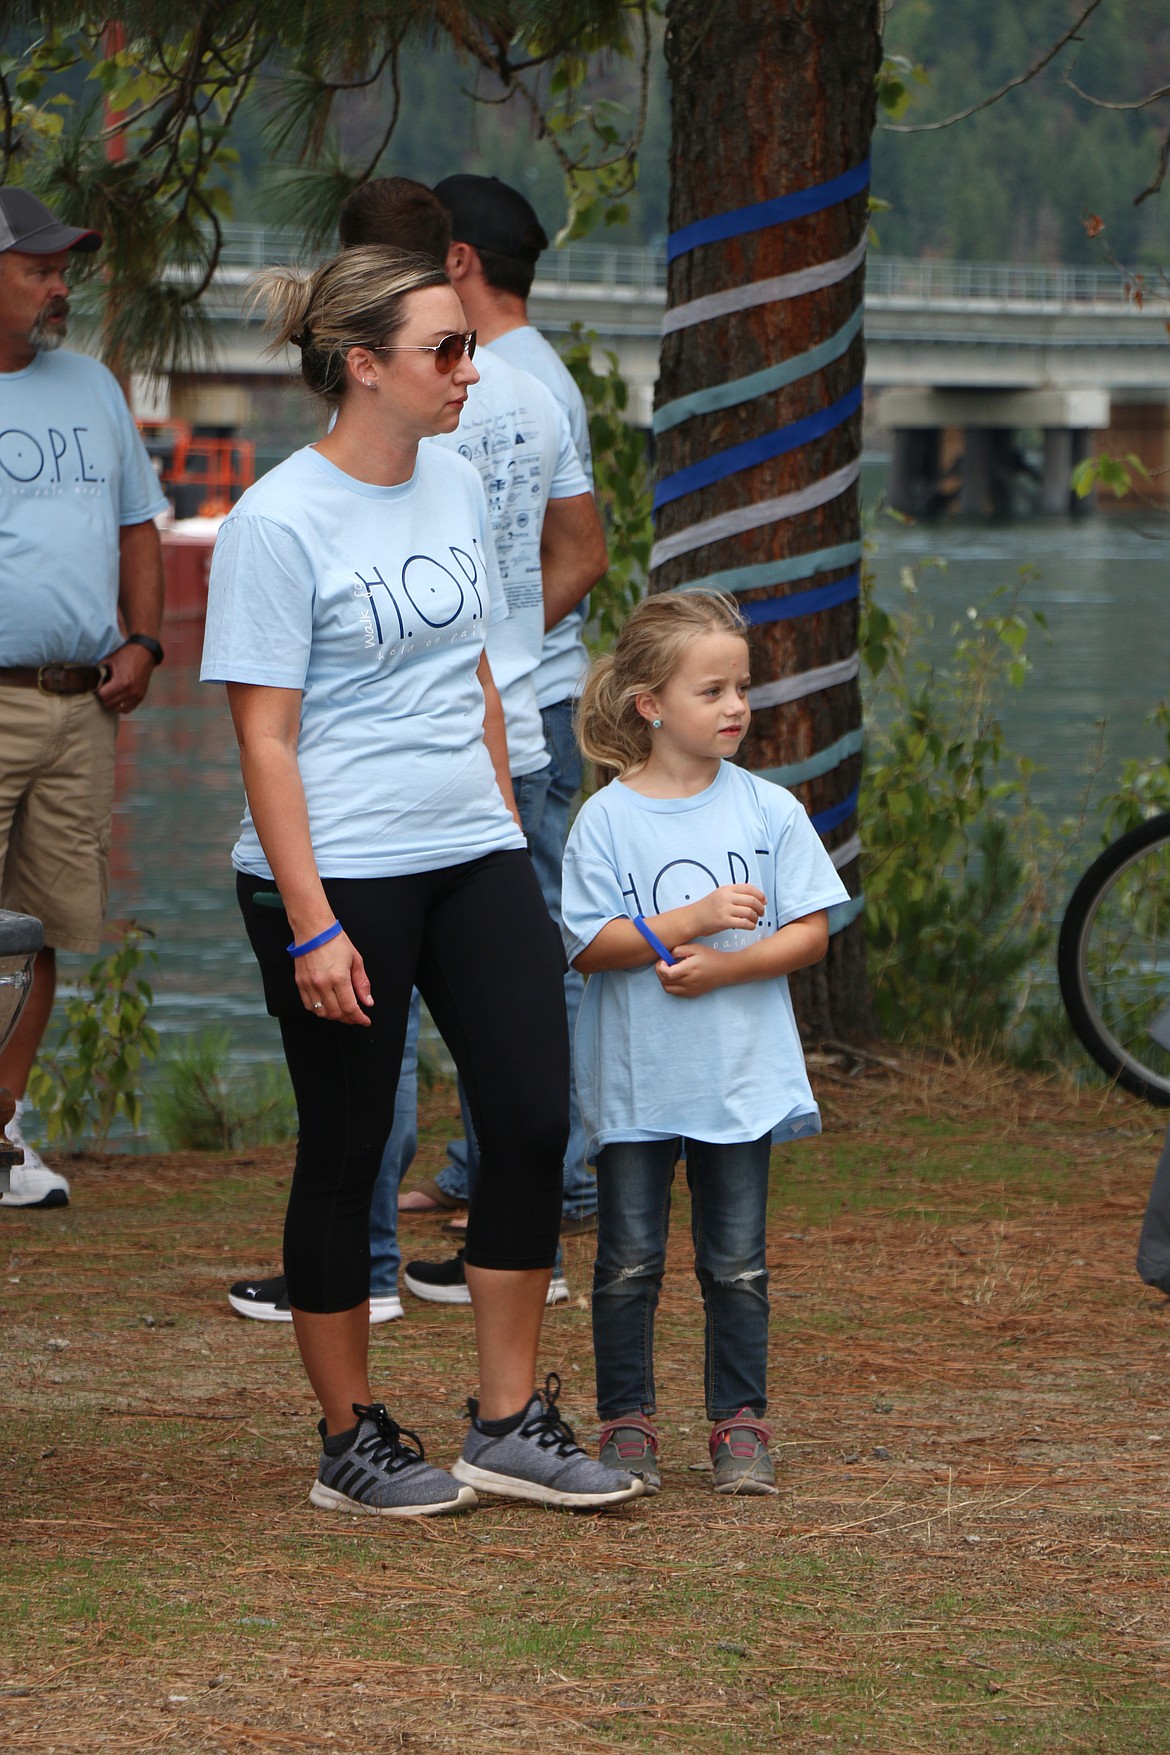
318,1006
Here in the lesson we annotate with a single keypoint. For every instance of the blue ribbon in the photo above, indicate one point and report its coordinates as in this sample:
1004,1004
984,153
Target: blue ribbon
798,603
768,213
746,456
826,820
737,390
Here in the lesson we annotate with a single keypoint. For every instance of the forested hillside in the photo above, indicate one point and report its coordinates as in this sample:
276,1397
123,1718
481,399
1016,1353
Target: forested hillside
1016,181
1013,182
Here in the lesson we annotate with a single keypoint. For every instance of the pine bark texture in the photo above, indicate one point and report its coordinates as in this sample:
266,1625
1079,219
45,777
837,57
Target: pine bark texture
770,97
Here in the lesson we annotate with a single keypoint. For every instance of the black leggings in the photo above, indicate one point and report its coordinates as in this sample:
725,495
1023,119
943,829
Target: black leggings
477,941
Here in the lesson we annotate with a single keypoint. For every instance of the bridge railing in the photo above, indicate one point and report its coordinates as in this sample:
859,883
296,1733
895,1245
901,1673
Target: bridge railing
924,282
643,270
616,265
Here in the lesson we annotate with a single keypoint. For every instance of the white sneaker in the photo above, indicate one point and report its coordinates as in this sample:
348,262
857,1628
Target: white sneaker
385,1307
32,1184
558,1289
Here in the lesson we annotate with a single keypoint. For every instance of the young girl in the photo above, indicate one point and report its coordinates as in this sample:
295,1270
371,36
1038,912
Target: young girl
696,1052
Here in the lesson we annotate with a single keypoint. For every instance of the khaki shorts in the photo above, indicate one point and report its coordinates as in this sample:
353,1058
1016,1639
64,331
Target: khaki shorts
56,804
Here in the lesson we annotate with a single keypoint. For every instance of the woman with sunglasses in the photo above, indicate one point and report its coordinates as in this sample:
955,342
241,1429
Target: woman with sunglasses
350,591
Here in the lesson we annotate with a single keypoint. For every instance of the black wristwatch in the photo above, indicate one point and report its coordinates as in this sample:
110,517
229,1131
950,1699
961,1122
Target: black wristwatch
151,646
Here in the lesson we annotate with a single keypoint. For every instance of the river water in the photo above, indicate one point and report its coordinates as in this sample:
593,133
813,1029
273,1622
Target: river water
1101,582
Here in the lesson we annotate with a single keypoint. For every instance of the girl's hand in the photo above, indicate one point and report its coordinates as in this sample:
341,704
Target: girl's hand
333,983
697,970
731,906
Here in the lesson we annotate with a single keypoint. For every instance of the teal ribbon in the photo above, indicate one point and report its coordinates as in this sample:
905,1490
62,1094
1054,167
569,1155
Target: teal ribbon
755,578
843,914
796,773
738,390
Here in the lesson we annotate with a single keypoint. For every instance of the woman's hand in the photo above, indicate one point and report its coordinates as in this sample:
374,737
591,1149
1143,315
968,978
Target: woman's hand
696,970
333,983
732,907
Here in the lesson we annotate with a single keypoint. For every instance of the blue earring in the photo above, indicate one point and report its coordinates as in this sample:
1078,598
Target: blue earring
656,725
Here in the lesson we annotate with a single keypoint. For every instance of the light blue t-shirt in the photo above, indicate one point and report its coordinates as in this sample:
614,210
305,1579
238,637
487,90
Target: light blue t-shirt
566,657
374,603
73,471
517,436
728,1066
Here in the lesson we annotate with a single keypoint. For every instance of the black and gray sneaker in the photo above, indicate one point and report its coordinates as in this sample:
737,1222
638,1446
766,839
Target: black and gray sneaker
539,1458
371,1469
266,1300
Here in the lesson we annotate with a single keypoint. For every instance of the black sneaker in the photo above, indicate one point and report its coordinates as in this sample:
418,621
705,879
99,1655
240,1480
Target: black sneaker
266,1300
376,1472
438,1282
444,1282
540,1459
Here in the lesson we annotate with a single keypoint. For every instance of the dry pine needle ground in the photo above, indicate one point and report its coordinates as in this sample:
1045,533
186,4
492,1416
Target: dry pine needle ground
970,1399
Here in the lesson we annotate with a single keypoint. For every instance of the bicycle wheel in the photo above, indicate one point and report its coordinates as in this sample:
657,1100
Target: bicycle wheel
1113,960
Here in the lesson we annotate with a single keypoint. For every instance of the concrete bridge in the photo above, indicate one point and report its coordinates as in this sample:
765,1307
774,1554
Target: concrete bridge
977,373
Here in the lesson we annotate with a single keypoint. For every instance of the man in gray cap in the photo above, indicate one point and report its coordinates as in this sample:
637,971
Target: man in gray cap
82,590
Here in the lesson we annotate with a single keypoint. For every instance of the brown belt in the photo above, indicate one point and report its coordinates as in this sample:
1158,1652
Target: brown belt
56,679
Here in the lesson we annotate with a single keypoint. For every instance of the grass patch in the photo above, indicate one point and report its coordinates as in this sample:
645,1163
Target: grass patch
967,1554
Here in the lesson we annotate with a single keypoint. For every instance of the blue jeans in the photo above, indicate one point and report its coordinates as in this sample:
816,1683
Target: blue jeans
544,811
729,1199
397,1157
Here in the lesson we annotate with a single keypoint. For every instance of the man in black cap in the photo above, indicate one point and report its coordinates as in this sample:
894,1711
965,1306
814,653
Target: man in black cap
82,589
496,242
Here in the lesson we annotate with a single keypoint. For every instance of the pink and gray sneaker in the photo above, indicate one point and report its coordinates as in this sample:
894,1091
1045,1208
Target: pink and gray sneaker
631,1443
739,1453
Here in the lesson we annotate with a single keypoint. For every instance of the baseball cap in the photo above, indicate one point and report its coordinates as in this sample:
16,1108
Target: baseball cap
492,216
27,224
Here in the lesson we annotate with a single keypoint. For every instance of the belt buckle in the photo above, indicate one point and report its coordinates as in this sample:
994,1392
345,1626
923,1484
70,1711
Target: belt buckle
59,673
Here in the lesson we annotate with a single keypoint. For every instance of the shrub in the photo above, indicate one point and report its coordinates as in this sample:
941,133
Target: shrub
958,862
94,1072
202,1104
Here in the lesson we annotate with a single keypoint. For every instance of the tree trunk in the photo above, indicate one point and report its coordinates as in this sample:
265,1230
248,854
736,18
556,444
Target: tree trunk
770,97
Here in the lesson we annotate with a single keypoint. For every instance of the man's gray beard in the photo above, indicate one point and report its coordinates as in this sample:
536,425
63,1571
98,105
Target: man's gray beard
43,338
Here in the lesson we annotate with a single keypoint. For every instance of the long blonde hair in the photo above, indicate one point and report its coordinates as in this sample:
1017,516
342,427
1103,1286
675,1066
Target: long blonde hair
355,300
646,654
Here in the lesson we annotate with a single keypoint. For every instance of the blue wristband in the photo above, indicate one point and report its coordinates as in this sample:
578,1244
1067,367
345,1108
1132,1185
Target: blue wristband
314,944
653,940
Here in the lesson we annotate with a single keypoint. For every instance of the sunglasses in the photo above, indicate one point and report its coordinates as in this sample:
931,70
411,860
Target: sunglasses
447,352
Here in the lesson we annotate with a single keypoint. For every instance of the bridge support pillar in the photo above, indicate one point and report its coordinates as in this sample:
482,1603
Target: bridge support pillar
1056,495
914,470
987,473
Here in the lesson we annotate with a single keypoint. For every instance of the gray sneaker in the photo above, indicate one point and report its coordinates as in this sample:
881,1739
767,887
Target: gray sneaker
541,1460
739,1452
632,1443
377,1472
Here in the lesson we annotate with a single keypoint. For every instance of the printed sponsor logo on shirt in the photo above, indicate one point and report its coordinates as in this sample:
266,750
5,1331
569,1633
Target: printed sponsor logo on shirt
430,604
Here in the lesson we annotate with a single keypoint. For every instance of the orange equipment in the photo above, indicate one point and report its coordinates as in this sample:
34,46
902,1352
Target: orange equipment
203,476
